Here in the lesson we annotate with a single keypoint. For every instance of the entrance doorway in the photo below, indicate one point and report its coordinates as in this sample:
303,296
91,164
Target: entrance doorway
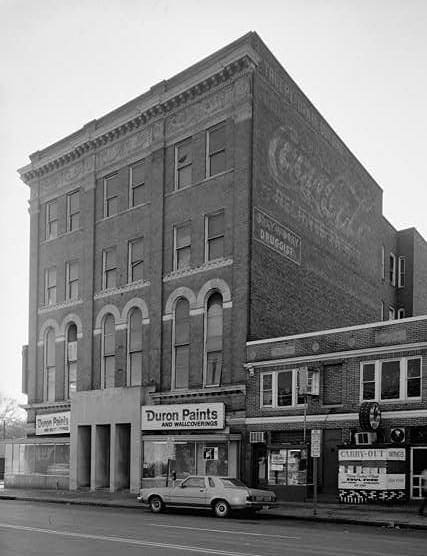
102,456
331,439
418,464
123,456
84,443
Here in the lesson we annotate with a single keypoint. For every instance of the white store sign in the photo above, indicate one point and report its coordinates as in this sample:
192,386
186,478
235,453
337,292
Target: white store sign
378,481
372,454
205,416
53,423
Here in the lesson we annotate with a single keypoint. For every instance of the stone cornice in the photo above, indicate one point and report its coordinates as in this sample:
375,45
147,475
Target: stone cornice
138,114
210,265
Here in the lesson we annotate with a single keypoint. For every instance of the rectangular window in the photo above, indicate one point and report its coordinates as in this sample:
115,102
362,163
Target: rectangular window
402,264
391,380
392,269
51,384
182,249
50,286
266,390
111,195
52,219
109,268
382,262
136,184
401,313
182,365
72,280
183,164
215,150
73,211
136,260
214,236
280,389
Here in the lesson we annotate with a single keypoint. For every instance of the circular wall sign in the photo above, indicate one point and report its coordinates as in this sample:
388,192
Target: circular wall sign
369,416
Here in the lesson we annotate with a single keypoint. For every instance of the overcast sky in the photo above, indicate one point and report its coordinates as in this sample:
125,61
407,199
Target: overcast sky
362,63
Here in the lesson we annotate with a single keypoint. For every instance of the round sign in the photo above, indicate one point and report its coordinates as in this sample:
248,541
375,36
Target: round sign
369,416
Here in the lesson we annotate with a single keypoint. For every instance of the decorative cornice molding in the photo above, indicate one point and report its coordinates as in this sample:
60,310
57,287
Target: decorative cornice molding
141,116
218,263
59,405
200,392
127,288
58,306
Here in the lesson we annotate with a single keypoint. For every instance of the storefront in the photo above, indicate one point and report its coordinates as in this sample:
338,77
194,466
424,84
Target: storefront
170,451
41,461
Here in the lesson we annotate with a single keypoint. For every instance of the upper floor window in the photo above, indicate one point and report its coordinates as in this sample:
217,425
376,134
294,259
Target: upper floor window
391,313
214,236
50,286
183,163
401,313
72,280
109,268
181,344
215,150
134,347
135,260
108,352
71,359
136,184
73,211
111,195
397,379
392,269
280,389
182,246
49,365
52,219
213,340
402,270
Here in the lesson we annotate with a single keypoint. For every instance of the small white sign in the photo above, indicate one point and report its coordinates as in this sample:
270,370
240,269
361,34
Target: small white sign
200,416
316,441
53,423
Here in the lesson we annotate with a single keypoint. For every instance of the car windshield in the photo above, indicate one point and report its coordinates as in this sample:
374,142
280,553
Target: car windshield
232,482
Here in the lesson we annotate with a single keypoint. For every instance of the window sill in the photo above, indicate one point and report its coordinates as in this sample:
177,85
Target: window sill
59,236
198,183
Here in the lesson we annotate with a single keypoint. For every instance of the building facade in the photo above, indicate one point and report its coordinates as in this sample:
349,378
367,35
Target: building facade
377,365
216,208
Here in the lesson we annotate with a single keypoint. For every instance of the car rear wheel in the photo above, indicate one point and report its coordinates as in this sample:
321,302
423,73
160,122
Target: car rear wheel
156,504
221,508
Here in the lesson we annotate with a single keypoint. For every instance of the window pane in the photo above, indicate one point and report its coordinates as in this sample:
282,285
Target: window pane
183,257
267,389
215,248
182,364
217,163
110,258
183,155
284,388
52,210
112,185
216,224
414,378
182,322
217,139
214,367
184,176
74,221
137,195
74,290
110,279
390,380
50,348
368,391
110,368
137,250
112,206
135,361
74,202
72,377
214,323
109,335
183,236
135,330
414,368
369,372
138,174
73,270
51,384
72,333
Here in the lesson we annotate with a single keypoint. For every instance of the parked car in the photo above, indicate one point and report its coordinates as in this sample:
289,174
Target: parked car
221,494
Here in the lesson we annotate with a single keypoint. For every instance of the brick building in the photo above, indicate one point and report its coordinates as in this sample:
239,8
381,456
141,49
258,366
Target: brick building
376,363
216,208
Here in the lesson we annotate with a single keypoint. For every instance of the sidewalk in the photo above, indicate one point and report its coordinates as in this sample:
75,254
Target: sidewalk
381,516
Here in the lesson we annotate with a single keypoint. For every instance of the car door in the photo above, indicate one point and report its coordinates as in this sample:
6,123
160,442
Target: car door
191,492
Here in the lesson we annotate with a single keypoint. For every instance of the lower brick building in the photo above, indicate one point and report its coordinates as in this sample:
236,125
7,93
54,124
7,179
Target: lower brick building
344,372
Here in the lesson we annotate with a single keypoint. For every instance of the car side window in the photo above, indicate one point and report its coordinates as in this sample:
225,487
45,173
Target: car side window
194,482
211,482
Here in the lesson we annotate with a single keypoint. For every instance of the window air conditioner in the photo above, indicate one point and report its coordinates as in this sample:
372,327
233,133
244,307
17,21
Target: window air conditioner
365,438
256,437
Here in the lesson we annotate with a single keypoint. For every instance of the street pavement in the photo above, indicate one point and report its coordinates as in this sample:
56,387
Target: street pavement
37,528
386,516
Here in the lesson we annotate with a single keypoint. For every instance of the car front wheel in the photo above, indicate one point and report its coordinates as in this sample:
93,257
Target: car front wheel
221,508
156,504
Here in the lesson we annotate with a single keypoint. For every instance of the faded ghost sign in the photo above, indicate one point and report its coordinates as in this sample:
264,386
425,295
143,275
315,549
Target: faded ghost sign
277,237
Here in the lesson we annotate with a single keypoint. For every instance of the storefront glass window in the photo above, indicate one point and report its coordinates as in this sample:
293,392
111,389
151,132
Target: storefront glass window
45,458
163,458
287,466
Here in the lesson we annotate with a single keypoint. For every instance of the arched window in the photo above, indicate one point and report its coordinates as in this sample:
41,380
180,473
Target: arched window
213,340
108,352
71,359
49,365
134,359
181,344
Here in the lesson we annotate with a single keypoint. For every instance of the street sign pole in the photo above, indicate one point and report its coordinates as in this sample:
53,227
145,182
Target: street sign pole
316,441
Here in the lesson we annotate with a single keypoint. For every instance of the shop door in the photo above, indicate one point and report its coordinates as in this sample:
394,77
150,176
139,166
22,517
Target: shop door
418,463
331,439
191,492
